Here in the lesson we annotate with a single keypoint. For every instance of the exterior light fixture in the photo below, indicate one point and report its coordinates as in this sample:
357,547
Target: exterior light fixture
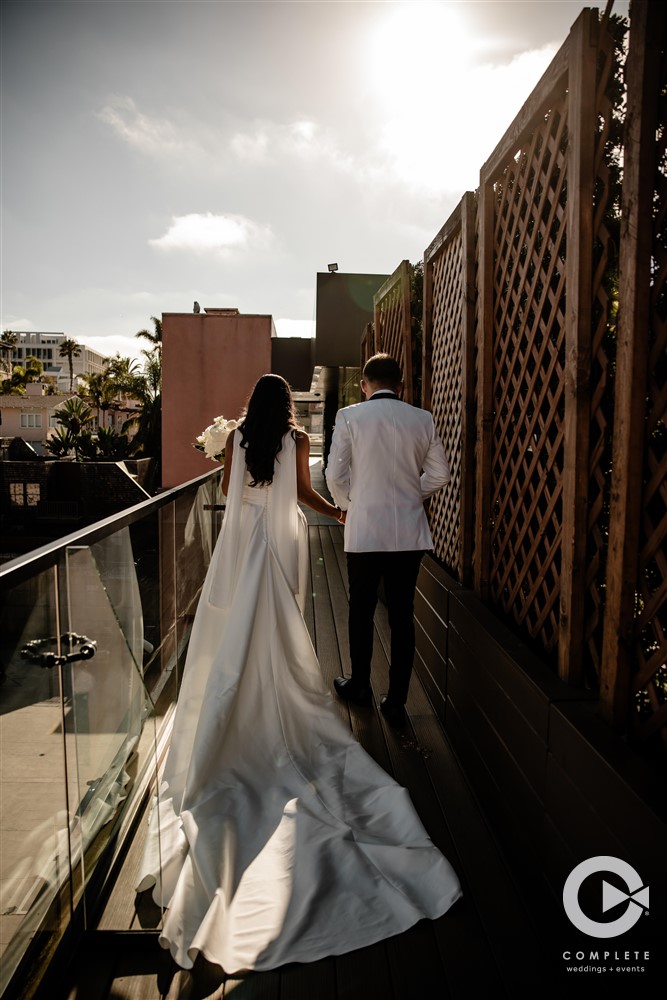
332,268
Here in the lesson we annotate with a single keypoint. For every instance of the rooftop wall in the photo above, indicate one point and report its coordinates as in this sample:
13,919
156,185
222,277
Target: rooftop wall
210,363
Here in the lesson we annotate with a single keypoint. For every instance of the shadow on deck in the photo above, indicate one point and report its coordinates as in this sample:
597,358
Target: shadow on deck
486,945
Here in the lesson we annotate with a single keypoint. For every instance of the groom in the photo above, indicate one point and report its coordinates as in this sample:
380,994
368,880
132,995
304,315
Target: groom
385,459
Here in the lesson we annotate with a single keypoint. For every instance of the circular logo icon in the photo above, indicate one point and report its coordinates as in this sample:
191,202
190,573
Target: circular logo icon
636,897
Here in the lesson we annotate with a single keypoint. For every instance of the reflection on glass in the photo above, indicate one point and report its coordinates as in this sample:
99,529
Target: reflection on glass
108,697
34,859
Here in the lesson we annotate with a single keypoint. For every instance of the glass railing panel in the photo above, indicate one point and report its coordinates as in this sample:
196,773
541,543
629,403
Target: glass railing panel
153,581
195,529
35,884
79,732
109,701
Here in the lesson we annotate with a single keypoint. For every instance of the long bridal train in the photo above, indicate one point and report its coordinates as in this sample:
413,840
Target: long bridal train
275,837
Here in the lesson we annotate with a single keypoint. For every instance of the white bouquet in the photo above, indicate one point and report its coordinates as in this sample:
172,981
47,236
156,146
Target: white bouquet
212,441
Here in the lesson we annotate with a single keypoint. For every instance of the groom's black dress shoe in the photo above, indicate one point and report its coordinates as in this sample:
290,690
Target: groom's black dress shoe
393,713
349,691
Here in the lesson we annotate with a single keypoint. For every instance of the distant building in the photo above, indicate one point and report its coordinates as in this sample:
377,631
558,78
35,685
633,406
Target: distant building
344,307
44,498
31,417
46,348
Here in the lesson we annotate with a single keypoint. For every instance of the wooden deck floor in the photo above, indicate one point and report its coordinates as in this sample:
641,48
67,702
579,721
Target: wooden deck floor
486,945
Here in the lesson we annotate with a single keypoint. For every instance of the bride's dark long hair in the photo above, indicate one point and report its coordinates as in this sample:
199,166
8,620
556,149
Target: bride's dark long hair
269,415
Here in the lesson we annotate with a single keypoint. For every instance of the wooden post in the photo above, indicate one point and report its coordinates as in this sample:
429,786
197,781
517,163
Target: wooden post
468,427
377,325
427,332
649,22
578,321
485,340
405,291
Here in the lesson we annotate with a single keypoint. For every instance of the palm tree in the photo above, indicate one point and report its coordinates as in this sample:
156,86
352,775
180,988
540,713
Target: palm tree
154,338
146,386
33,369
21,375
122,371
112,445
99,391
60,443
73,415
70,349
7,344
15,384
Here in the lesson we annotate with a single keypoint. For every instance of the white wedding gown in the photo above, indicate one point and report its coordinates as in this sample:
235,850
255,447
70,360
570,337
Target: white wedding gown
275,838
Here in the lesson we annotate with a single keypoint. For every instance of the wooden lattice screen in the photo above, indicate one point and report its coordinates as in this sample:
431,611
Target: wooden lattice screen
521,364
565,538
392,322
603,349
543,399
634,672
448,380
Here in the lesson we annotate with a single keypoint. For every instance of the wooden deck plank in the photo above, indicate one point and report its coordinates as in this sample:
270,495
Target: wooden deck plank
257,986
415,964
94,970
464,943
487,879
306,981
326,640
365,974
337,586
124,911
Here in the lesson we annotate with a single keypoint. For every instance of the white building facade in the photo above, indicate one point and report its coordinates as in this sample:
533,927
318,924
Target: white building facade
46,348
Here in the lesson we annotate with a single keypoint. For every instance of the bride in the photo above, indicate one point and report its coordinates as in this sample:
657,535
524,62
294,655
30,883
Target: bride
275,838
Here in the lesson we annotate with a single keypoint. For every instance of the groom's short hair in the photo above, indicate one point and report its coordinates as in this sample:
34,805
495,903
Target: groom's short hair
384,369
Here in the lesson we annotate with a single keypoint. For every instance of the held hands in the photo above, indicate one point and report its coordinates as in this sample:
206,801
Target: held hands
340,515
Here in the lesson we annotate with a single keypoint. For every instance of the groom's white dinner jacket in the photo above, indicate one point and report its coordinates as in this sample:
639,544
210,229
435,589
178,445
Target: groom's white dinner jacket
385,459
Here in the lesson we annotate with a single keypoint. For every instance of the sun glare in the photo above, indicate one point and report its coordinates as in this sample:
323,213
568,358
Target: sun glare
418,45
441,104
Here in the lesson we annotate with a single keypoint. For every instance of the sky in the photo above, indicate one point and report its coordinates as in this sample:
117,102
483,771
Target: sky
158,152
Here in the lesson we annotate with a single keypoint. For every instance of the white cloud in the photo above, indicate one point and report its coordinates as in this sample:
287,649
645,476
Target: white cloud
13,322
250,146
127,347
213,233
302,139
154,136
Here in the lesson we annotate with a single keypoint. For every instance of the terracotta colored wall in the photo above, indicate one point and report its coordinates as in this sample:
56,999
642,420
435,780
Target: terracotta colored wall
209,366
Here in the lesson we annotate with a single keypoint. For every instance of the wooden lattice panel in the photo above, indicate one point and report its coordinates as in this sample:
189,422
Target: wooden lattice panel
367,345
650,680
474,367
528,386
446,396
393,333
601,390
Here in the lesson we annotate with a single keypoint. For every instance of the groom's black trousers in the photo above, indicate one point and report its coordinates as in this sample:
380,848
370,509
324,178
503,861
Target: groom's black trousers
398,571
